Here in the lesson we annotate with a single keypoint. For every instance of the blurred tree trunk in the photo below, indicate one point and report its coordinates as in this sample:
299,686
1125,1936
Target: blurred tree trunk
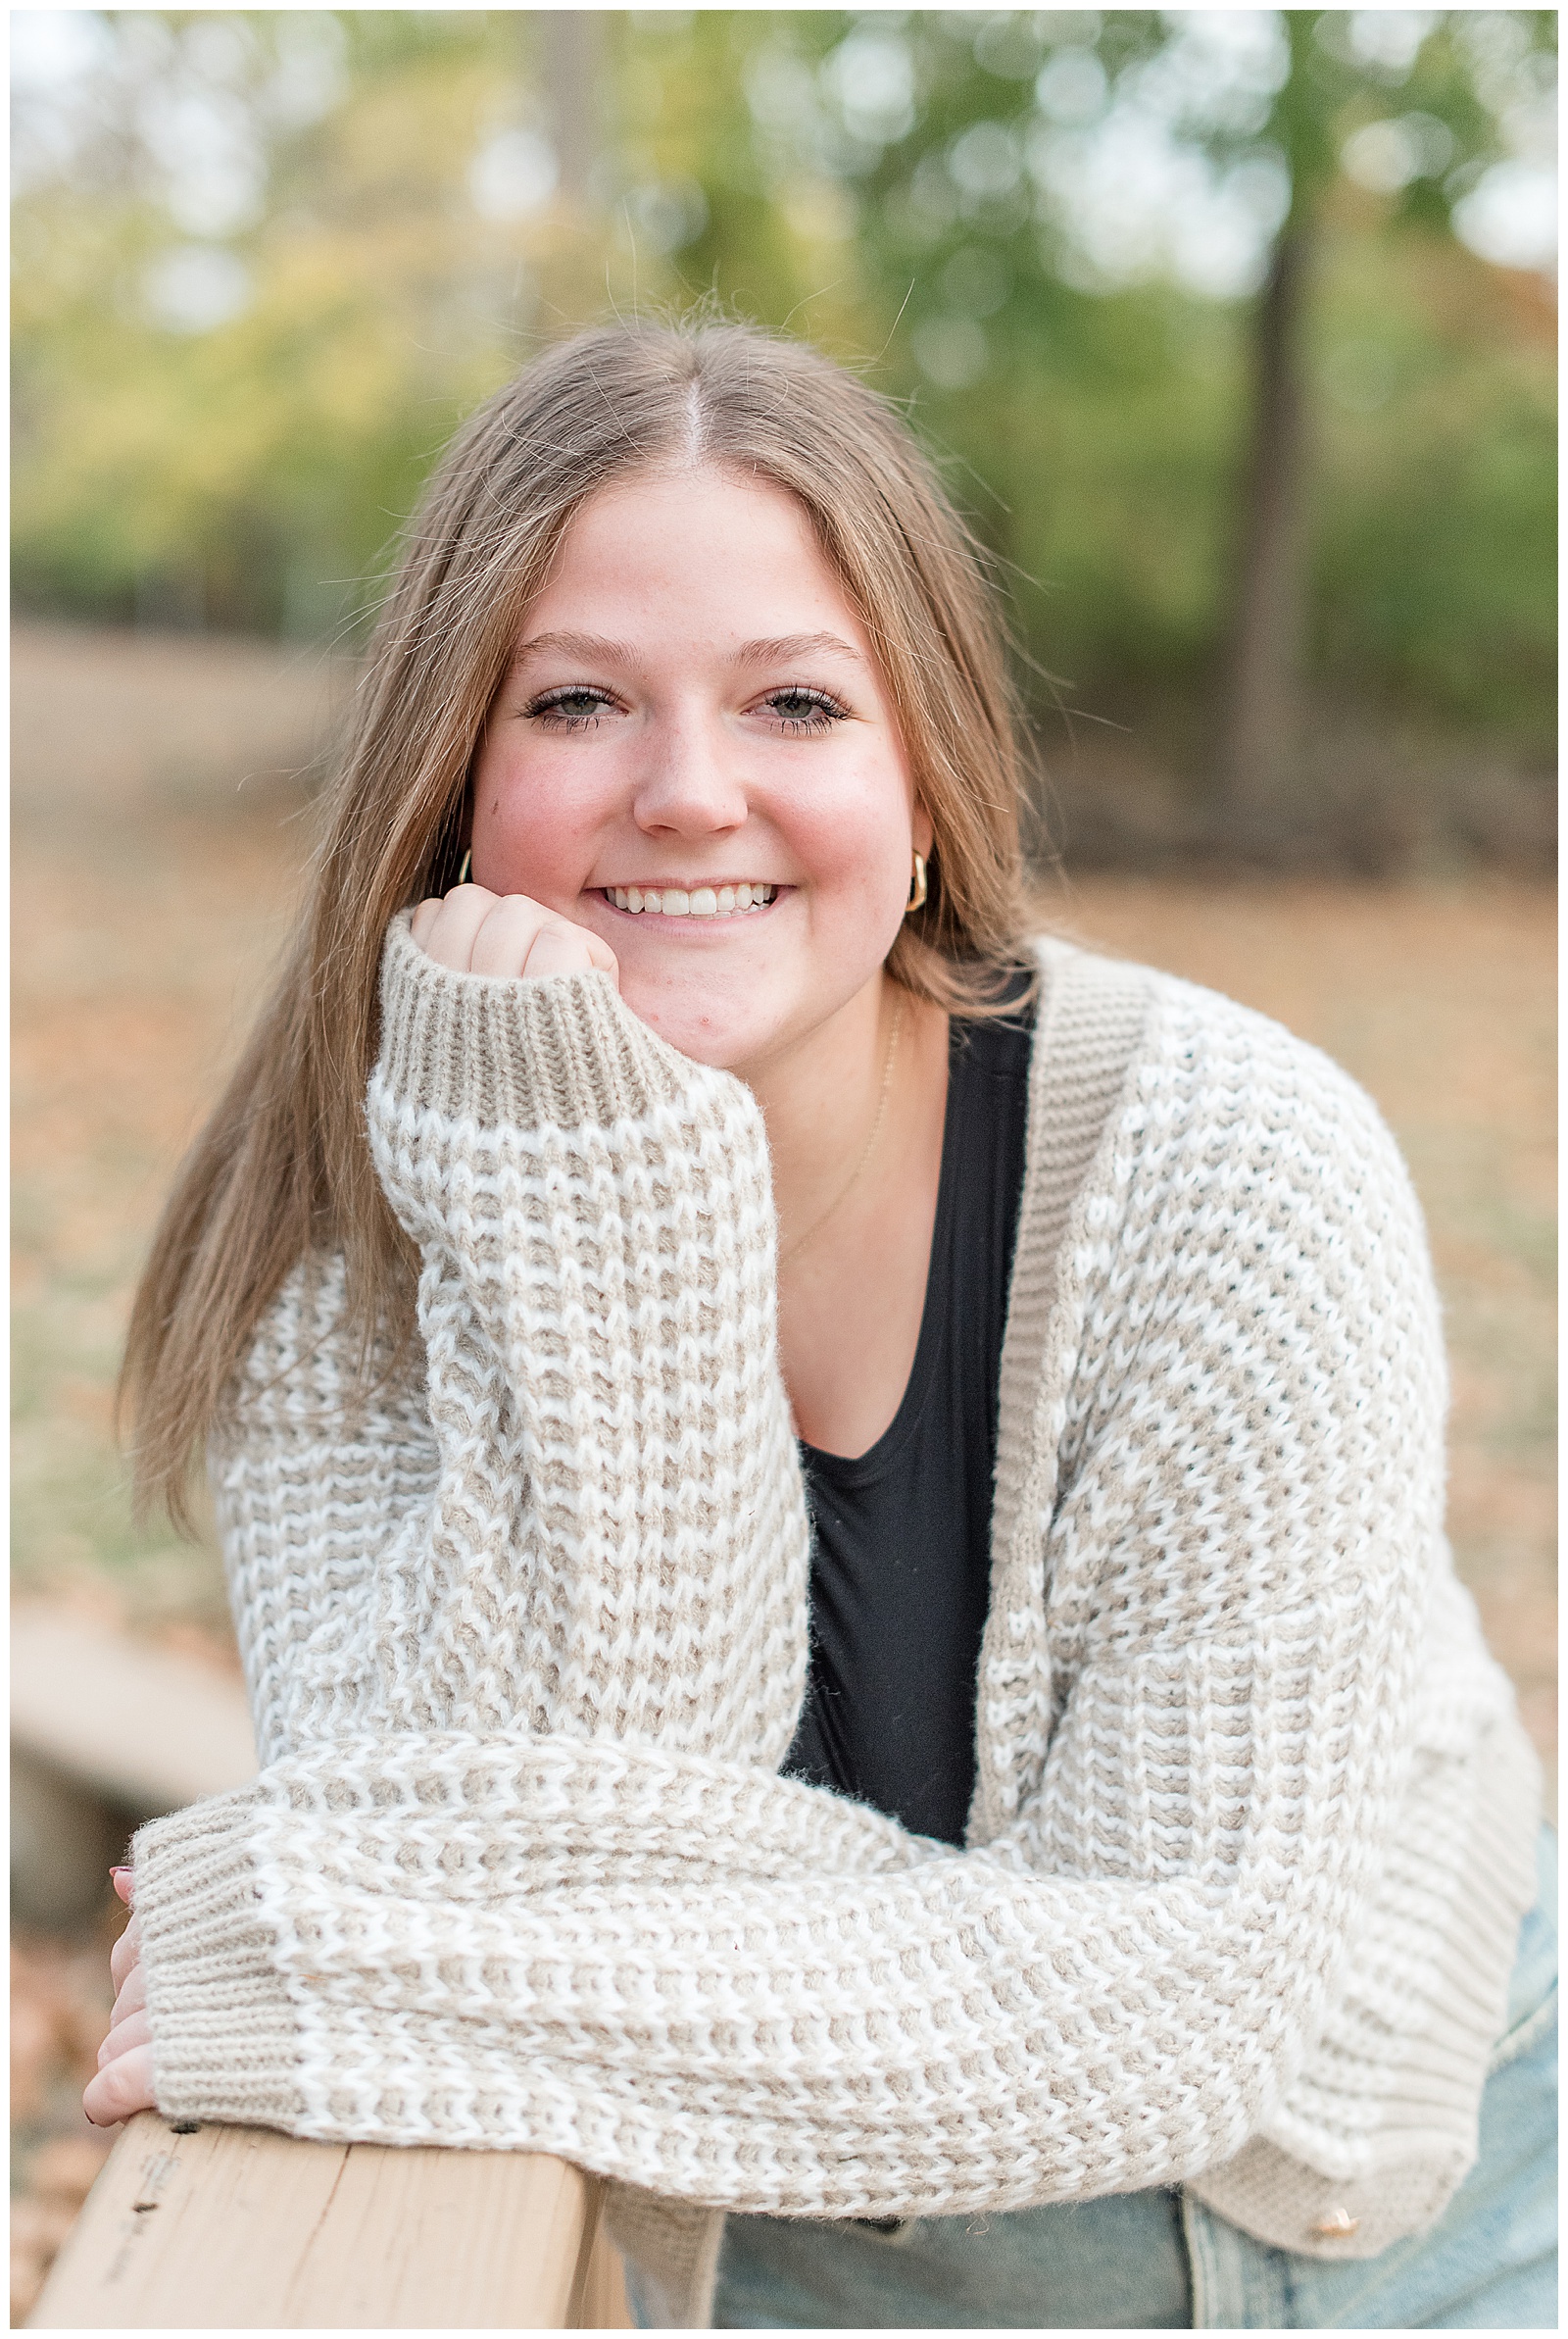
1260,712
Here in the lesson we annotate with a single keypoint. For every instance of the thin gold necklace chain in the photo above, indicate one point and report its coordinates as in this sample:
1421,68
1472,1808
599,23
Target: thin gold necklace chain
850,1184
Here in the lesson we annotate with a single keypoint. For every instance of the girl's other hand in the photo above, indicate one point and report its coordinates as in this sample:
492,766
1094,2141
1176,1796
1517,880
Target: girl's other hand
477,932
124,2081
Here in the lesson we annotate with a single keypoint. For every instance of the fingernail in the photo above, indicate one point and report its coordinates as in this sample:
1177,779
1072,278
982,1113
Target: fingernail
121,1871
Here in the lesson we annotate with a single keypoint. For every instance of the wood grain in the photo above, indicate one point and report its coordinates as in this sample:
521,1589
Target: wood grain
241,2229
603,2306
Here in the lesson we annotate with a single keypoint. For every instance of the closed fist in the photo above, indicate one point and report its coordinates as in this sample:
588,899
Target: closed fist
478,932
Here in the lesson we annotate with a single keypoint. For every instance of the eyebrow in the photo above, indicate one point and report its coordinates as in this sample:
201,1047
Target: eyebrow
595,650
795,645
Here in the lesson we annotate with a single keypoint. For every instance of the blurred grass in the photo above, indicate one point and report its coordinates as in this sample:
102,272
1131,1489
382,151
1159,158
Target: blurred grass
160,800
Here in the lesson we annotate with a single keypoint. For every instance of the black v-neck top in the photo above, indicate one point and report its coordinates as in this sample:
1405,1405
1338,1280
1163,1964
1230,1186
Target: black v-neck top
900,1561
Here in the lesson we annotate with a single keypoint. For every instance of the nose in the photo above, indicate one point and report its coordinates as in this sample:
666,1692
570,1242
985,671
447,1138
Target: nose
689,784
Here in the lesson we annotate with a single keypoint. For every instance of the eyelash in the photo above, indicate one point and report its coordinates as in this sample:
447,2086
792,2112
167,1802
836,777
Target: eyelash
825,711
550,708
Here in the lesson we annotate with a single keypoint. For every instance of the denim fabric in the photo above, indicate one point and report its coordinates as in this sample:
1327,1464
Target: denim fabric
1119,2263
1158,2261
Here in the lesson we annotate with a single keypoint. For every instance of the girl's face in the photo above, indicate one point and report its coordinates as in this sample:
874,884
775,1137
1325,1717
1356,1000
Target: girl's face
694,714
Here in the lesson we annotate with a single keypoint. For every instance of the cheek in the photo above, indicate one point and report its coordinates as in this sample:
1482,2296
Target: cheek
533,832
855,838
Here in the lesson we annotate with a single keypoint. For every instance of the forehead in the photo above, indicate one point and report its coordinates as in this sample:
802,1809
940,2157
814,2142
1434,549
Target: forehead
669,549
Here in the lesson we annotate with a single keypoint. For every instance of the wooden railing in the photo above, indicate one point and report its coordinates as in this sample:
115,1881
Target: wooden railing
105,1731
223,2228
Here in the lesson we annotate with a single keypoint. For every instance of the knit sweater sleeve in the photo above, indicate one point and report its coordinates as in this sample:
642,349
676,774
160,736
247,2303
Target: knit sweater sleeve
580,1916
586,1516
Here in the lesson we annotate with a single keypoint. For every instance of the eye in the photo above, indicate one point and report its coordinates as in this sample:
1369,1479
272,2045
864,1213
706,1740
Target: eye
800,708
575,707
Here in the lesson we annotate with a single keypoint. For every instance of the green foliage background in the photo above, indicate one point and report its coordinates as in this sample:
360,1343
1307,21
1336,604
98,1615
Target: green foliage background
253,474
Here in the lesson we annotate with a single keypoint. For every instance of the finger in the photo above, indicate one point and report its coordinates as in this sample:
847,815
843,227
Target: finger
598,953
123,2087
604,958
125,1953
559,949
123,1880
135,2032
449,936
424,918
507,936
133,1994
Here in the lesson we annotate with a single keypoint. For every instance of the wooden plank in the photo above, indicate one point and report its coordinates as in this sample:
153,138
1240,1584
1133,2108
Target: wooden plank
242,2230
424,2239
143,1727
604,2307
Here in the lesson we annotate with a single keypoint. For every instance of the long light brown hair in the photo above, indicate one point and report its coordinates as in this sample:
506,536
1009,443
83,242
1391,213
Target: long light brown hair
282,1170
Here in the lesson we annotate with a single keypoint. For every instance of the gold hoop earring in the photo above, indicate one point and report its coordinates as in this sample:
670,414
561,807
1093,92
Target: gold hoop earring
464,864
917,900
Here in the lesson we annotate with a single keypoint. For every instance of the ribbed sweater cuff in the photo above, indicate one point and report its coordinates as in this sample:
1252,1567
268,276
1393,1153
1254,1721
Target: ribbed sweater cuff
558,1050
225,2040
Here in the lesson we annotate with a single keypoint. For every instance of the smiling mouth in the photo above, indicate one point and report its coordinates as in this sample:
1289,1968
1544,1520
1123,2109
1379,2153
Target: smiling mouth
700,901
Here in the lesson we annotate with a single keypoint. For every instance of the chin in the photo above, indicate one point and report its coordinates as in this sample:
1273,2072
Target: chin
724,1034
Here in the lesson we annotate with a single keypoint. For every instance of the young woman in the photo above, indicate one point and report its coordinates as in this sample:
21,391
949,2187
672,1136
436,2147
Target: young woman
835,1516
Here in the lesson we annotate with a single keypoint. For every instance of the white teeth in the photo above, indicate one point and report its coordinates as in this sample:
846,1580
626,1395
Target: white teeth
702,901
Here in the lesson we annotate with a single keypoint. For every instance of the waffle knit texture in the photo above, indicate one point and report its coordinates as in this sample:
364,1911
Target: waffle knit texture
527,1638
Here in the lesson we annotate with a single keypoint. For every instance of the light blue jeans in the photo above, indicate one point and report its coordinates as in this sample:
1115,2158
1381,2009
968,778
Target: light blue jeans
1158,2261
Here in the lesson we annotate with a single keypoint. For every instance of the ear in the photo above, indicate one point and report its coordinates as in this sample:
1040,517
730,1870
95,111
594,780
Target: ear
922,830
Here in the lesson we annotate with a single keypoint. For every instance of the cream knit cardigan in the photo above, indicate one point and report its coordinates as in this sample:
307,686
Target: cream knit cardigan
526,1642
